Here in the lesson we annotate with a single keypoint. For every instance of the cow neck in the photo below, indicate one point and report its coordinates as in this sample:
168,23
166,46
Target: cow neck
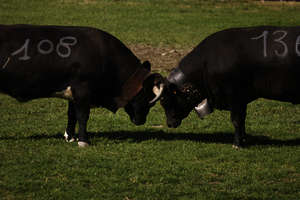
132,86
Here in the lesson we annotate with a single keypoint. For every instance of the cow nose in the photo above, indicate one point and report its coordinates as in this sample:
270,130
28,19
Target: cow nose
138,122
173,123
169,125
133,120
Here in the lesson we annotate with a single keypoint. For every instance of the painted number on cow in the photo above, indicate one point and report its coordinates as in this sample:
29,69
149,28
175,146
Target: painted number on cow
25,49
65,42
298,46
279,39
45,47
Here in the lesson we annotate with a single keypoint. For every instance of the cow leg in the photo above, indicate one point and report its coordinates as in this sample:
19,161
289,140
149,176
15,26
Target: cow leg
81,102
72,120
82,115
238,117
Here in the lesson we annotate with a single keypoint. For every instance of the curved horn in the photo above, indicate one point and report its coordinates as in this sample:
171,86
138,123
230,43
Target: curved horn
157,91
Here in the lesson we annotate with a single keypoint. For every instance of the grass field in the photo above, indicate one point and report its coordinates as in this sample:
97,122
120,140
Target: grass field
127,162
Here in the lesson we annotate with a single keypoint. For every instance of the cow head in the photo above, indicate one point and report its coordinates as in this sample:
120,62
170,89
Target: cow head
180,97
178,102
138,107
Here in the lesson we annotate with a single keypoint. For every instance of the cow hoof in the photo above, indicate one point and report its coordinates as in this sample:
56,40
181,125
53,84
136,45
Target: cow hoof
83,144
68,138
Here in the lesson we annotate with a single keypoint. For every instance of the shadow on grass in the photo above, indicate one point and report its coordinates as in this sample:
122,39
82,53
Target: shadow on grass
41,136
217,137
139,136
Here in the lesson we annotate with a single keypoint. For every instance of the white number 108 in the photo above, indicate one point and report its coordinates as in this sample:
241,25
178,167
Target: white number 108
64,43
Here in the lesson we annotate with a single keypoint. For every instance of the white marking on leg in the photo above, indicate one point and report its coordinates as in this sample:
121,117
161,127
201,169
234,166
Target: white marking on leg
83,144
66,135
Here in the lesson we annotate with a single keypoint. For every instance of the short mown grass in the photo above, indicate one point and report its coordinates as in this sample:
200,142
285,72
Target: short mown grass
178,23
194,161
127,162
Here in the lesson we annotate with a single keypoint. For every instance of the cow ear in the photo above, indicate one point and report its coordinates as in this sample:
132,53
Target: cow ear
153,79
147,65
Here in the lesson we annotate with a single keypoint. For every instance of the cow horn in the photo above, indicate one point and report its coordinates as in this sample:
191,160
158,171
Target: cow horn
157,91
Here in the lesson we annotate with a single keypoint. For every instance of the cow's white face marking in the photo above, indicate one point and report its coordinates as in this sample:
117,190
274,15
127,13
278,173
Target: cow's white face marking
65,94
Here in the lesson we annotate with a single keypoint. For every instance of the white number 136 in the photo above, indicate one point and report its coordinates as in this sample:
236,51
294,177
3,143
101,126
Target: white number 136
281,35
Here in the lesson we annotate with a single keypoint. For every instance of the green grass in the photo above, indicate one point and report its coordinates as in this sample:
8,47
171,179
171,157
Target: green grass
178,23
194,161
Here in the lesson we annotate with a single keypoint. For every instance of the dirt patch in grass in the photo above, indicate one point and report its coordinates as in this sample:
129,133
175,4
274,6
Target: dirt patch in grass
161,58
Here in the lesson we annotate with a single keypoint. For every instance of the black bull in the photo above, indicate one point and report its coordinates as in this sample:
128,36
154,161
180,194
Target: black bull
231,68
86,66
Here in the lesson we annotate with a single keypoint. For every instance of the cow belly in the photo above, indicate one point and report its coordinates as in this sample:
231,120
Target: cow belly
282,86
25,90
30,94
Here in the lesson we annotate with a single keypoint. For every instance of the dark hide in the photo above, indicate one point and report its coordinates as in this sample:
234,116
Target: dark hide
232,68
87,66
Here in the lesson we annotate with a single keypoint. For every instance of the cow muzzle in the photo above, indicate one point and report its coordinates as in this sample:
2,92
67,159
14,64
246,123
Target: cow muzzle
173,123
138,122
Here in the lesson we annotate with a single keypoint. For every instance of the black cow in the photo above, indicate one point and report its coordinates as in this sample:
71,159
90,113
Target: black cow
231,68
86,66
